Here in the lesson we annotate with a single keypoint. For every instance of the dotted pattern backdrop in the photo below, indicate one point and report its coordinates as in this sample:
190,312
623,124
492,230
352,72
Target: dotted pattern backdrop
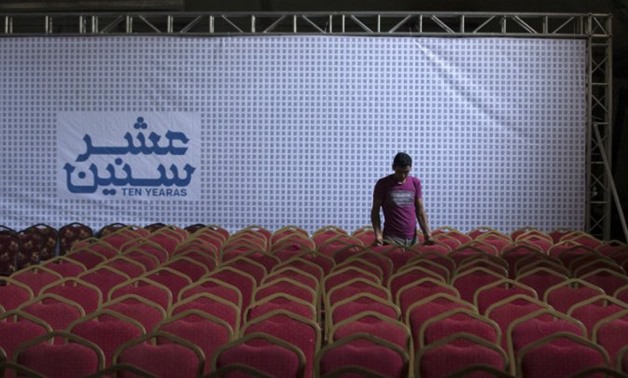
297,129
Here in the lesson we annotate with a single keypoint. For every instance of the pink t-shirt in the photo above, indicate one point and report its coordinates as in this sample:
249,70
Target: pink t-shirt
398,204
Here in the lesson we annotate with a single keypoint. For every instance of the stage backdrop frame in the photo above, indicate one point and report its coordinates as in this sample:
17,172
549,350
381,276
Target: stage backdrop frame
595,29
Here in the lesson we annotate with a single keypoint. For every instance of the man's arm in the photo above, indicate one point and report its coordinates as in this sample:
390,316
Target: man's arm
376,221
421,216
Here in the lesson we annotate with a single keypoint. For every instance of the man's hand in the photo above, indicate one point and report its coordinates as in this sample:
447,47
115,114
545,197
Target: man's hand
428,241
378,241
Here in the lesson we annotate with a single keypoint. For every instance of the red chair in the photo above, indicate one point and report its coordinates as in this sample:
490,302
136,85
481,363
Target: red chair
343,245
84,293
525,230
589,263
359,303
569,292
489,262
610,333
518,251
427,308
289,232
541,279
324,262
74,357
592,310
200,328
609,280
609,247
413,273
208,261
568,253
582,238
242,280
337,277
534,326
373,323
363,351
104,277
36,277
538,239
212,305
546,357
365,235
108,330
547,262
509,309
244,264
288,249
54,309
162,354
168,237
264,353
147,253
299,269
456,352
17,327
326,233
458,320
215,287
174,280
399,256
494,292
467,251
91,252
300,332
497,240
13,293
126,265
188,266
288,286
280,301
368,260
144,287
484,230
451,233
354,287
146,312
469,281
268,261
64,266
421,289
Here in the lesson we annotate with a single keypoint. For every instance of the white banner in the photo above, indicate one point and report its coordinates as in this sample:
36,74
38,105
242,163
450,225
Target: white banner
287,130
126,156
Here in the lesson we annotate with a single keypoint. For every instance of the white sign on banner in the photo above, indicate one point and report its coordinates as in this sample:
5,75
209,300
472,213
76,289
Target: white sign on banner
128,155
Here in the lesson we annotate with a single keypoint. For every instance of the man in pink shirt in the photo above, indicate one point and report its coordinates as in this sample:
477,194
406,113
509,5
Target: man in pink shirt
400,197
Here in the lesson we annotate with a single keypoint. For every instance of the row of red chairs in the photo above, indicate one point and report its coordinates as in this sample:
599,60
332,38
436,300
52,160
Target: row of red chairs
336,270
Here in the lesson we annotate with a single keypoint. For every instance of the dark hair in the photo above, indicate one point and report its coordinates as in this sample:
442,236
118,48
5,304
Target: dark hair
402,160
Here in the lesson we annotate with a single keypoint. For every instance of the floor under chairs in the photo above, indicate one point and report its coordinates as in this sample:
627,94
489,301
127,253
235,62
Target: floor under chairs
285,303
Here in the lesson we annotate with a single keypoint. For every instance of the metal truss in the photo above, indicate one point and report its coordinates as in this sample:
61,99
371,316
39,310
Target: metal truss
594,28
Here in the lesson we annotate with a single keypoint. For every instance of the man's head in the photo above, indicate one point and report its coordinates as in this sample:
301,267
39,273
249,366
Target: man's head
402,164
